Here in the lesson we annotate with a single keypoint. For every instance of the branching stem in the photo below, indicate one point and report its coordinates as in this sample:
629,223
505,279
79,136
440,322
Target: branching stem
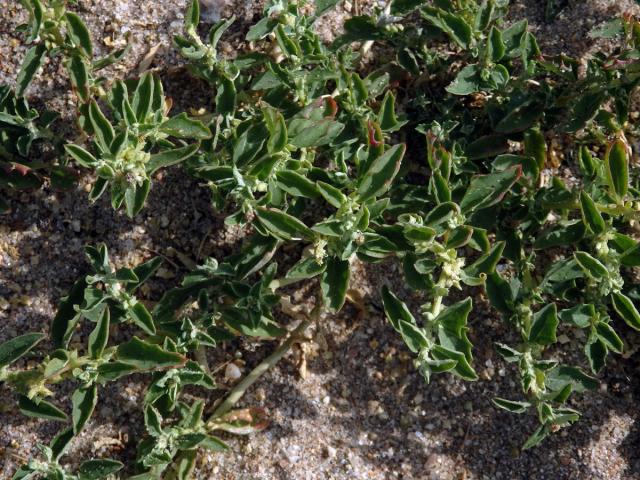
240,389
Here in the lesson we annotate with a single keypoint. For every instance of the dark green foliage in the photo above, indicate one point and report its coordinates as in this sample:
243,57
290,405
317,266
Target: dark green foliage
301,148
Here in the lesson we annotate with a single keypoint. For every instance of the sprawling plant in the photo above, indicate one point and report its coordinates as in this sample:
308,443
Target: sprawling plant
53,30
21,127
304,150
140,140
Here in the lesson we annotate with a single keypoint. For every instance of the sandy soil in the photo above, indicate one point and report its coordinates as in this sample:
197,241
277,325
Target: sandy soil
361,411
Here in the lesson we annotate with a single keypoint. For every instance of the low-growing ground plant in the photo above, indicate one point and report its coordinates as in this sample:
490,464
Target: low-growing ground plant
305,146
21,127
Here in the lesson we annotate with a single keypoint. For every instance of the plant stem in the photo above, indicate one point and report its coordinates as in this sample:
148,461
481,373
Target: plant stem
437,306
240,389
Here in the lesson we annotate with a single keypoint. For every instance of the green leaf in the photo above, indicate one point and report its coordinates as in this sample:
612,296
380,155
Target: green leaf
249,143
484,15
184,465
591,265
77,70
596,353
590,214
36,13
568,233
153,421
463,369
30,65
401,7
323,6
329,228
287,45
563,375
313,133
81,156
126,275
544,325
616,162
108,372
13,349
500,293
295,184
170,157
459,237
226,96
361,27
278,138
584,110
305,268
147,356
511,405
79,34
135,196
101,126
100,335
111,58
487,190
256,253
418,234
331,194
623,306
142,318
486,264
610,29
63,324
510,355
453,25
467,81
530,50
99,187
387,115
359,89
25,472
487,146
580,315
454,317
214,444
84,401
283,225
403,322
513,37
122,192
146,270
192,17
380,173
587,163
609,337
520,118
261,29
216,32
181,126
536,437
189,441
495,45
535,146
40,409
143,97
334,283
60,442
98,468
631,256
